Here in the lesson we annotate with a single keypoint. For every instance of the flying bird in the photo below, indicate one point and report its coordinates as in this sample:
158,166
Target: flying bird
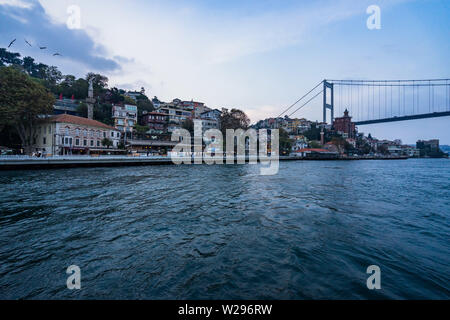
28,43
11,43
56,54
42,48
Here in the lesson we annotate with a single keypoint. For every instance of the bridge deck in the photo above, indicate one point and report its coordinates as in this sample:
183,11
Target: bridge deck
403,118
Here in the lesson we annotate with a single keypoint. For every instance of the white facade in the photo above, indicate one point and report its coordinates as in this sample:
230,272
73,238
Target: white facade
61,136
125,118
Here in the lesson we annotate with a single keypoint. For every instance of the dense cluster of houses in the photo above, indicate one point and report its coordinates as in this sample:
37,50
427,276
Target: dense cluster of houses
343,127
66,133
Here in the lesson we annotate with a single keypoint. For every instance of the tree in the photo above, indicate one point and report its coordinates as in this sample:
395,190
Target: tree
8,58
114,96
22,102
128,100
234,119
144,105
100,82
315,144
341,144
313,133
107,142
141,129
285,142
188,124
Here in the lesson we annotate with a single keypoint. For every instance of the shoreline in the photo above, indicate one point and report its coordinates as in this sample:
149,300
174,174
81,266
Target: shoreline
89,162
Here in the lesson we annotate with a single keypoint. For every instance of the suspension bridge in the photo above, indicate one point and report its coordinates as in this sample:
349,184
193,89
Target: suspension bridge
379,101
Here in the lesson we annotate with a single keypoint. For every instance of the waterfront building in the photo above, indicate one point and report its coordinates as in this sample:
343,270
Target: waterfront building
315,153
211,119
176,116
151,147
199,109
300,142
428,145
395,150
345,126
67,134
125,118
156,122
191,105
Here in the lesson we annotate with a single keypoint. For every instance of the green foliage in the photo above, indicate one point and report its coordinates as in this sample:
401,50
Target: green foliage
100,83
315,144
285,142
313,133
128,100
234,119
140,129
107,142
341,144
9,58
102,113
22,102
188,124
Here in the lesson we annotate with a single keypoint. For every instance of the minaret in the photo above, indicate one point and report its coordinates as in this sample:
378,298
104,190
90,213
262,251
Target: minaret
321,137
90,101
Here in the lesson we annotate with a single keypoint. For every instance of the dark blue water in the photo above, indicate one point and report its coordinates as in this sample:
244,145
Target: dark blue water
178,232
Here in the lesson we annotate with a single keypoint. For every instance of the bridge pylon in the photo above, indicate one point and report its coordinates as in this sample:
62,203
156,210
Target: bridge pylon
326,105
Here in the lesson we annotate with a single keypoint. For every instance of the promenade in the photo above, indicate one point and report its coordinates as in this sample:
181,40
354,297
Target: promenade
27,162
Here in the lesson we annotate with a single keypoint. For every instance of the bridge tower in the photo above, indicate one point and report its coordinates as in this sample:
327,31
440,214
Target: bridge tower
326,105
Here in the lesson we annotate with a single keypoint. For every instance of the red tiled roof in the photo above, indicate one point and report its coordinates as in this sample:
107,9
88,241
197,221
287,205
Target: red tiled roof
67,118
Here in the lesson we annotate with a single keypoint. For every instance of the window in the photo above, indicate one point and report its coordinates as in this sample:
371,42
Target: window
98,143
77,132
104,134
85,132
85,142
70,141
44,140
66,140
49,129
77,142
92,143
112,134
118,134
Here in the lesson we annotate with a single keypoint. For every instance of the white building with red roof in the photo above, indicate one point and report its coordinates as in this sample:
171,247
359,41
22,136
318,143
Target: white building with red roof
66,134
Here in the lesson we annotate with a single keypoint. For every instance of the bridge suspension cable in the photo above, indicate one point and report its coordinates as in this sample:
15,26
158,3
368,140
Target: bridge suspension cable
304,96
376,101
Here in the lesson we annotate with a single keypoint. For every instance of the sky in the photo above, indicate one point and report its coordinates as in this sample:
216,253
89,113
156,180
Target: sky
258,56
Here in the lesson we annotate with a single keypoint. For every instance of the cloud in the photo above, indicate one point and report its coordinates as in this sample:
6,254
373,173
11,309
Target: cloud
16,3
28,20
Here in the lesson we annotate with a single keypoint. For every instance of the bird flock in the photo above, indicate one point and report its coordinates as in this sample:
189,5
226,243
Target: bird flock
40,47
